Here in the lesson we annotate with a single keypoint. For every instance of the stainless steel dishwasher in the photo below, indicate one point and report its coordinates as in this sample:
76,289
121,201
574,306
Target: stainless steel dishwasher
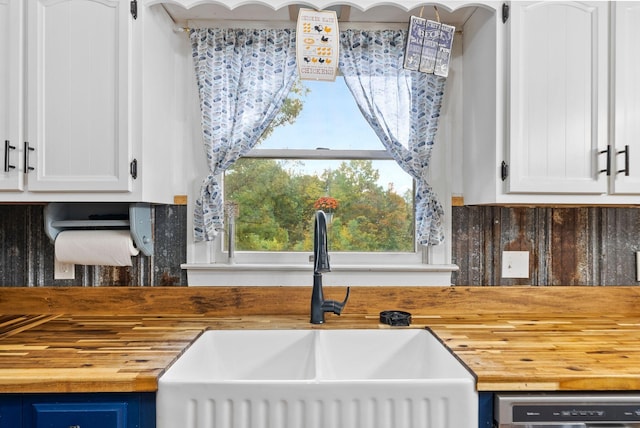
577,410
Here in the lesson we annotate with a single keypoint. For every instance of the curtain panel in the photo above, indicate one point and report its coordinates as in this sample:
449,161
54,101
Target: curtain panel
243,79
403,108
244,76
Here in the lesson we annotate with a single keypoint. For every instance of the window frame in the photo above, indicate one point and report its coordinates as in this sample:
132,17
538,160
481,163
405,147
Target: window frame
420,255
209,256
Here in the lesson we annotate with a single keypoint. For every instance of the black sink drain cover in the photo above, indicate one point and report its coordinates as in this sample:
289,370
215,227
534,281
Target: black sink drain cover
395,318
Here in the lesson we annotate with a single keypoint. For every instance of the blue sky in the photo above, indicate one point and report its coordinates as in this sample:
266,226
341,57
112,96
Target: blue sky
331,119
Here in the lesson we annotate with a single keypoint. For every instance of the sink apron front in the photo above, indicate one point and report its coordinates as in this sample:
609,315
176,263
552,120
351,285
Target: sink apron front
317,378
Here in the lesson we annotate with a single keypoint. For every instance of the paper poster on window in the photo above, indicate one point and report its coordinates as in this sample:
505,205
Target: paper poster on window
317,44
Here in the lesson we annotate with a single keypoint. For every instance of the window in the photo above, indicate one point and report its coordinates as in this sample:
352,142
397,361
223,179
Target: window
328,158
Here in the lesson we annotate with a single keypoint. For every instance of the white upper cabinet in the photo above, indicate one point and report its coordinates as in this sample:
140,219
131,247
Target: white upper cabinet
10,93
88,96
558,97
625,114
566,99
78,95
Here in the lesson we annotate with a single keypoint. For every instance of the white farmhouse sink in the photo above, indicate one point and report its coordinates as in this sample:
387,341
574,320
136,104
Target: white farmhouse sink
385,354
317,378
247,355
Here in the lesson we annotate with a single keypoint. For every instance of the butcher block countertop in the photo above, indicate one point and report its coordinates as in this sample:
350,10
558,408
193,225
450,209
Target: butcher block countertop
121,339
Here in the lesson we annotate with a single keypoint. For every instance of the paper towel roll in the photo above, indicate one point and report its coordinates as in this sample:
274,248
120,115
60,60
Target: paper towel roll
95,247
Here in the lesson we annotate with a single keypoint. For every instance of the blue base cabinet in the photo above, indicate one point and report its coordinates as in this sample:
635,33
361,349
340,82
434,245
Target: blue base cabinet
99,410
485,410
95,415
10,411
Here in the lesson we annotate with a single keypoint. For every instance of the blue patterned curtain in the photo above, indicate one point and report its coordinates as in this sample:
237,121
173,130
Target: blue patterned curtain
243,78
402,107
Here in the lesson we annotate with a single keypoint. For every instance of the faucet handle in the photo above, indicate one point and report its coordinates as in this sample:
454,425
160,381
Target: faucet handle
335,306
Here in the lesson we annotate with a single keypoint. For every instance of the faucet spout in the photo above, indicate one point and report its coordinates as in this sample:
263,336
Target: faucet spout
321,264
320,244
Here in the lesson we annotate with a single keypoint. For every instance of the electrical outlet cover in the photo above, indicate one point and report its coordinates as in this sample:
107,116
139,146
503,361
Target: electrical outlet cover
515,264
63,270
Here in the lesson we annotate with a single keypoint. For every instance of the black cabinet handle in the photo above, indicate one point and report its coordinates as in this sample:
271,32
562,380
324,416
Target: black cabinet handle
133,169
27,149
7,148
626,160
608,152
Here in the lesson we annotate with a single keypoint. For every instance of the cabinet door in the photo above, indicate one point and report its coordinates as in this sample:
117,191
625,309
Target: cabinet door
10,410
78,95
558,99
80,415
626,97
11,18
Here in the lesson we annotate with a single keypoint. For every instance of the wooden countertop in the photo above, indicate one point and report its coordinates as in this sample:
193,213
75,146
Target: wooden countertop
516,353
512,338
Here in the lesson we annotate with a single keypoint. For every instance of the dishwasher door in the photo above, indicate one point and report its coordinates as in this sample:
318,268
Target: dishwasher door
558,410
546,425
559,425
517,425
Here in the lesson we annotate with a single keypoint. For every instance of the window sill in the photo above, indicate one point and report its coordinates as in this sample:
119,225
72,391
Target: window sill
245,274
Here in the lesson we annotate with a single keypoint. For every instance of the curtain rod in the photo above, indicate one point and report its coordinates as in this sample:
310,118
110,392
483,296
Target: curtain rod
266,25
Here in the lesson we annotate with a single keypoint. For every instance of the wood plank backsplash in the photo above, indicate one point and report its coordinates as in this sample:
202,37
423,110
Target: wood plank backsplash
26,252
567,246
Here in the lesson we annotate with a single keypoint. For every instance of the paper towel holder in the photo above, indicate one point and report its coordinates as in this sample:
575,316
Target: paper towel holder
136,217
